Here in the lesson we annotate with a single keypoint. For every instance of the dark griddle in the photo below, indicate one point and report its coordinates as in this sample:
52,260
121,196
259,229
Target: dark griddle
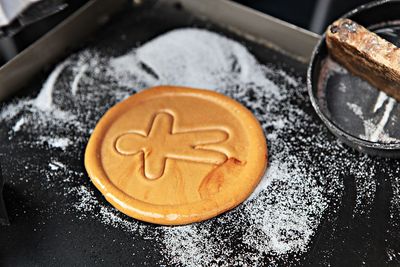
42,232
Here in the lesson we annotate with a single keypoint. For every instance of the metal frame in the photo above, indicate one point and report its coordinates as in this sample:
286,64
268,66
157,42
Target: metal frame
287,38
274,33
48,49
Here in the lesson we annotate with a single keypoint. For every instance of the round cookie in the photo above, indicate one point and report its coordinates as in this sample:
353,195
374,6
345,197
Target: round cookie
174,155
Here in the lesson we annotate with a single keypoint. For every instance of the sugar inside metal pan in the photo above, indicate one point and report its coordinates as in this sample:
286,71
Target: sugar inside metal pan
353,110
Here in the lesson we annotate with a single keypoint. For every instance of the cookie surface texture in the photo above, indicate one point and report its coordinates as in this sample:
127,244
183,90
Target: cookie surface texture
173,155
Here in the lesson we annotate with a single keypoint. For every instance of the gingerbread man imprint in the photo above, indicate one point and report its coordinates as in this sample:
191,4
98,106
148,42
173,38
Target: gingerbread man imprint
162,142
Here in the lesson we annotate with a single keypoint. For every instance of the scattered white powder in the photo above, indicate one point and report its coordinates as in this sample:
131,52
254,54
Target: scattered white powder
40,117
10,111
18,125
374,120
87,200
264,182
373,133
55,142
381,99
89,204
342,87
55,165
216,66
294,214
379,128
75,82
61,142
376,131
284,212
44,100
291,80
356,109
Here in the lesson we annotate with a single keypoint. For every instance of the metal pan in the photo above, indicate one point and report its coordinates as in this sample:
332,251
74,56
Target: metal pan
354,111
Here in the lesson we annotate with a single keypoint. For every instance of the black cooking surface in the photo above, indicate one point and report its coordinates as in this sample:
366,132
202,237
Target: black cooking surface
44,232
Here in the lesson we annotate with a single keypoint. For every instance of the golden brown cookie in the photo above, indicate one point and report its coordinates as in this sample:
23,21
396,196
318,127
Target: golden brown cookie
173,155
